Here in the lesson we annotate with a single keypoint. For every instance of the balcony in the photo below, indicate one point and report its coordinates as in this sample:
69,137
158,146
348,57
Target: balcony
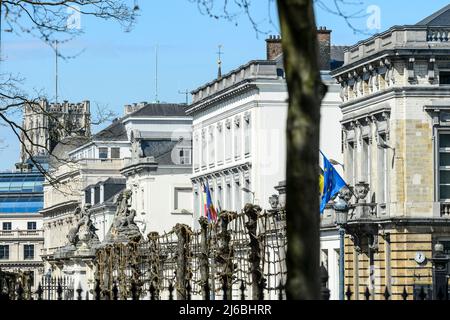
445,209
21,234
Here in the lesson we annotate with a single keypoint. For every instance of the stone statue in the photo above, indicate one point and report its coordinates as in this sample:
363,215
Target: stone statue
136,148
84,232
73,232
274,201
124,228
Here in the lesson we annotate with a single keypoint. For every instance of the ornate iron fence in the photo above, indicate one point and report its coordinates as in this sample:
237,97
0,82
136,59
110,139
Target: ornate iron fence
242,256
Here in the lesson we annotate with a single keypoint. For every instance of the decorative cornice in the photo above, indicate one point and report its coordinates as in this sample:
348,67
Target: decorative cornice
229,92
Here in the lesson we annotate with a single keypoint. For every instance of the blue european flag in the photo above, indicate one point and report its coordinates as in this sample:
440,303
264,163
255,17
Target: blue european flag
332,183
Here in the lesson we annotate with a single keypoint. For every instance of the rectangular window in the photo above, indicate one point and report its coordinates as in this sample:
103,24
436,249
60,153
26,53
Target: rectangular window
196,153
444,166
197,206
115,153
185,156
228,198
350,172
28,252
7,226
211,146
444,77
382,172
237,196
237,139
31,225
4,252
220,145
228,142
219,197
204,144
365,169
183,200
248,137
103,153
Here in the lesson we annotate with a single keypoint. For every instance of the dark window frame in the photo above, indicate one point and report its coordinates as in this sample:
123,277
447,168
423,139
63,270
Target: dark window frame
4,252
101,153
444,78
6,224
28,251
32,223
115,153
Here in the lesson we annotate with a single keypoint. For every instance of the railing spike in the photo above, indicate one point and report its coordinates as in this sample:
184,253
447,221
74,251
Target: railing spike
405,294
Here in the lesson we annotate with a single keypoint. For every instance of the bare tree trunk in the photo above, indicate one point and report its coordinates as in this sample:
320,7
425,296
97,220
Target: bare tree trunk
300,47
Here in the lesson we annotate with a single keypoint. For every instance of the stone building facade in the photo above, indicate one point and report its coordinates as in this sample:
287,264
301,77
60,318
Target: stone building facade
396,142
21,230
47,123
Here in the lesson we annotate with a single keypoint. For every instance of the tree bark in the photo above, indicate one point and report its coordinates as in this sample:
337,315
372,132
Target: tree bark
300,47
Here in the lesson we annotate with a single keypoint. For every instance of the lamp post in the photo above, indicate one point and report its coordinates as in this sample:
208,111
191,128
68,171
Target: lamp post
440,261
341,209
336,163
251,192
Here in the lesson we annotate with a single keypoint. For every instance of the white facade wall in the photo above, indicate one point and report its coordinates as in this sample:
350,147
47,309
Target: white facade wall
154,199
157,124
91,151
329,256
102,219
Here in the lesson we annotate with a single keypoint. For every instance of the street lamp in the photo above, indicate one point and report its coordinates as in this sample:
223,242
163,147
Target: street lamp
341,209
249,191
337,163
440,261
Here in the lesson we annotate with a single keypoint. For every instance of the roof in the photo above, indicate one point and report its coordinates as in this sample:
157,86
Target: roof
439,18
62,149
114,132
108,182
337,53
160,110
160,150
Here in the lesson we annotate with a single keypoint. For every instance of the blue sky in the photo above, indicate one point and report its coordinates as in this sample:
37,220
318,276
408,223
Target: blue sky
118,68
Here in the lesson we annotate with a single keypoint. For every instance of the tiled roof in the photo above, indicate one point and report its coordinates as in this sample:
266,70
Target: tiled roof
114,132
439,18
161,110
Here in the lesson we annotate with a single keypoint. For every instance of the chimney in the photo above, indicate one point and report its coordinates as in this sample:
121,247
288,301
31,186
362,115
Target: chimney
324,37
274,47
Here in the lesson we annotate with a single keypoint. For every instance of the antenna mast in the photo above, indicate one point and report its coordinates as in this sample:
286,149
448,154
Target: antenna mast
56,70
156,74
186,93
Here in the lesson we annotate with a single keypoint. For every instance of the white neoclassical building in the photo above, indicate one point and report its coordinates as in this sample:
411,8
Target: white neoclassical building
238,139
239,136
239,131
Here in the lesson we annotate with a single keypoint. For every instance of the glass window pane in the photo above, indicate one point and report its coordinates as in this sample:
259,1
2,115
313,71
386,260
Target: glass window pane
445,192
115,153
444,140
103,153
444,159
445,177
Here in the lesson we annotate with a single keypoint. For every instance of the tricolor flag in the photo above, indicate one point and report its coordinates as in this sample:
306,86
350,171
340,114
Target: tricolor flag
210,211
